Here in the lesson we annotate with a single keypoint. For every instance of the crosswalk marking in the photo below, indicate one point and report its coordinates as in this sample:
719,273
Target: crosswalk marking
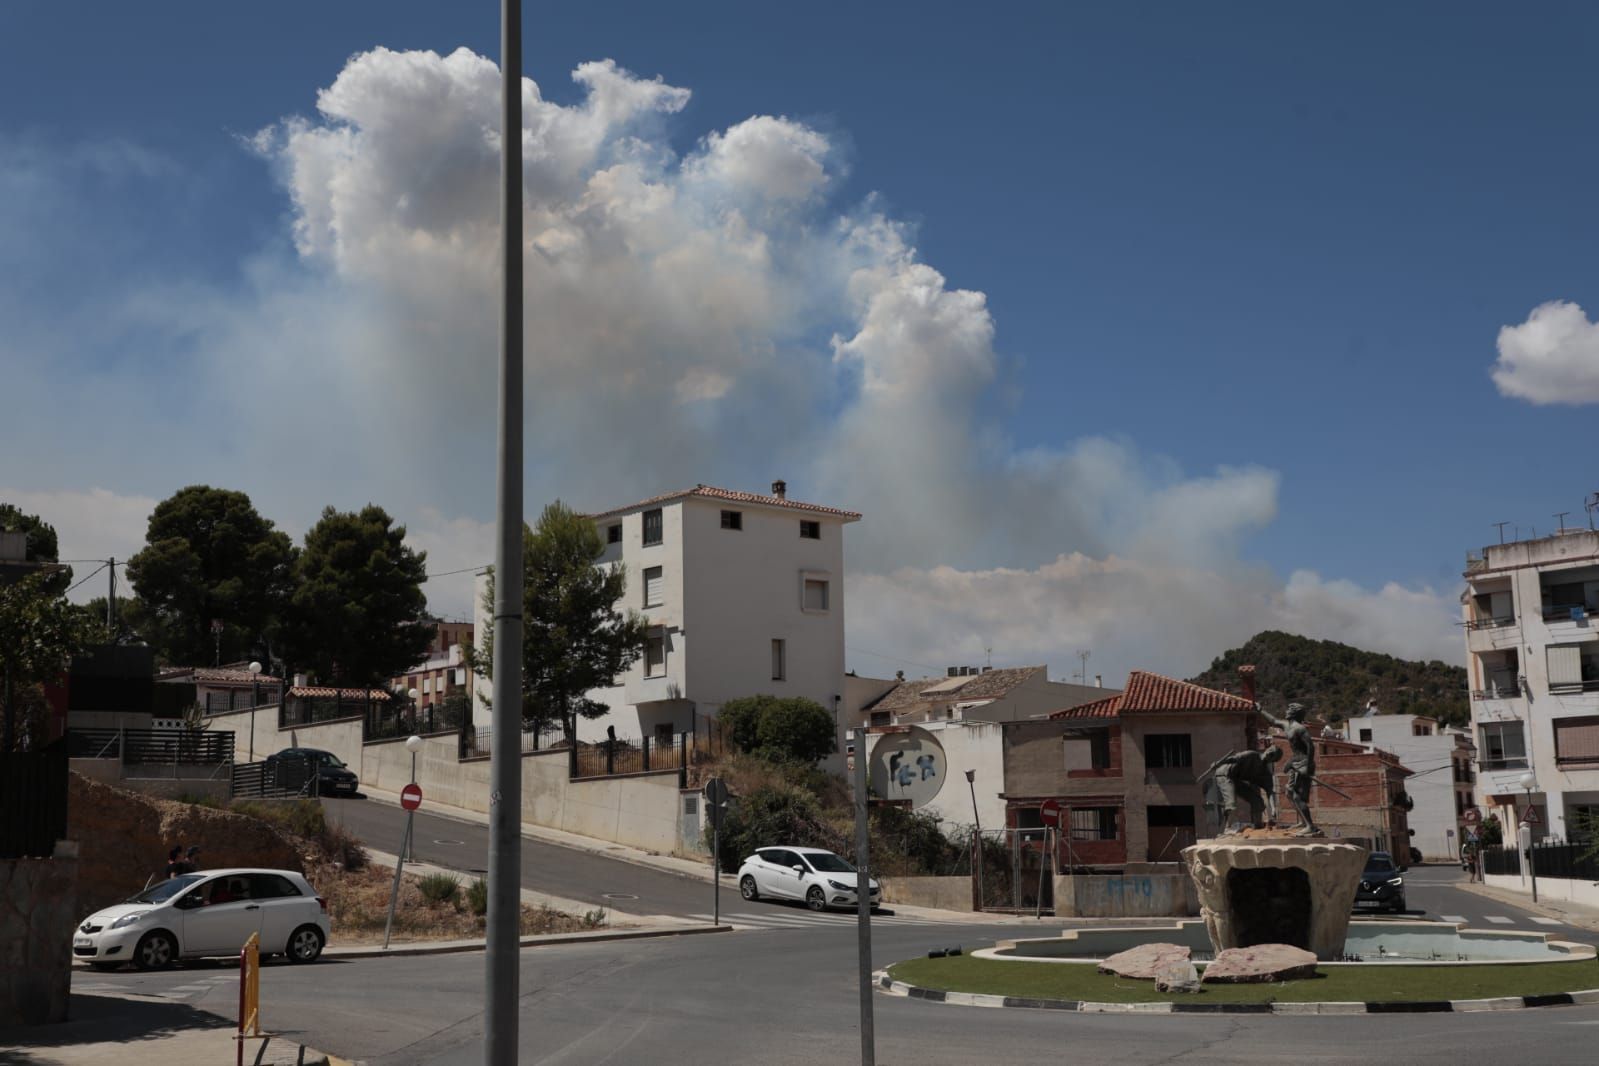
1547,921
1453,919
1499,919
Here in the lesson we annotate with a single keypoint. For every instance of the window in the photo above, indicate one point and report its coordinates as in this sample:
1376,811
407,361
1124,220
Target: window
1365,736
1093,823
779,660
653,586
1576,740
732,519
1420,729
271,886
1502,746
613,533
1089,751
810,530
815,594
1168,751
652,527
655,656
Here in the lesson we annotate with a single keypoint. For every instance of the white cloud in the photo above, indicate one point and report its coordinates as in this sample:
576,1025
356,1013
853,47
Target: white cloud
91,524
715,316
1553,357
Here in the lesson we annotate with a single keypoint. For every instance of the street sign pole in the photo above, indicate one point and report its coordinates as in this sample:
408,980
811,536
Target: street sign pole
863,902
394,892
715,793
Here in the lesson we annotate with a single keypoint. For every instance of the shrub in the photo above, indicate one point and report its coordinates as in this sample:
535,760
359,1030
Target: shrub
477,897
776,814
594,919
301,817
344,848
439,888
779,729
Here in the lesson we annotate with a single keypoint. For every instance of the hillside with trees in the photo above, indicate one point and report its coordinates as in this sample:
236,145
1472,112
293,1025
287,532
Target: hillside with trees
1335,681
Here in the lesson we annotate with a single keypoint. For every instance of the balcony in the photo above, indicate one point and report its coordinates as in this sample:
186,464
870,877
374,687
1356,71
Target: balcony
1512,762
1492,634
1572,688
1492,623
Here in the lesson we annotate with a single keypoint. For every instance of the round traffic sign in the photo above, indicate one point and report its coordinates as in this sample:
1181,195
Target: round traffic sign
1050,812
411,796
1472,816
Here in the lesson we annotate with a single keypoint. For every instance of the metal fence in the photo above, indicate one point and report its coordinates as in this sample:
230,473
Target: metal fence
309,710
151,745
1575,861
33,802
612,758
1016,870
479,743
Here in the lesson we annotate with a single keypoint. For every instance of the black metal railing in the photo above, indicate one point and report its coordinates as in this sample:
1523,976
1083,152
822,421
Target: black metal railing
1492,623
33,802
309,710
1512,762
479,743
1565,612
1501,862
612,758
151,745
243,699
1577,861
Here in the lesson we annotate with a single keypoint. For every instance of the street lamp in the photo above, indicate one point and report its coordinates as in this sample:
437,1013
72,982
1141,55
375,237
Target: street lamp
1528,782
255,701
413,744
414,694
977,837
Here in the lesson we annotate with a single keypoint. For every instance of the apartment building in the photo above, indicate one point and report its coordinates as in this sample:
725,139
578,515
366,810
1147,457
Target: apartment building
1441,760
744,594
444,673
1533,659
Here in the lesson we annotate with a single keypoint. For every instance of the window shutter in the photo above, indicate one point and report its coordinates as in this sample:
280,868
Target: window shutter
1565,665
653,586
1577,740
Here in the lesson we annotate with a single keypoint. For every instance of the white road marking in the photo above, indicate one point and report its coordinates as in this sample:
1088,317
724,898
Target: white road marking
808,920
1454,919
1548,921
1499,919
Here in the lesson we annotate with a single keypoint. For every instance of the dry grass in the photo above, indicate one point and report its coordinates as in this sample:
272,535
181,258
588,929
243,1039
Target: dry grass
358,905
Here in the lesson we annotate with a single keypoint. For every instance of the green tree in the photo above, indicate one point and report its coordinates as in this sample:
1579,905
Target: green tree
779,728
357,614
574,639
209,555
39,633
128,624
41,545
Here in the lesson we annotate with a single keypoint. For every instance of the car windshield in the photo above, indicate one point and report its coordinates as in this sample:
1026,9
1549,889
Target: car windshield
827,863
327,758
166,889
1379,864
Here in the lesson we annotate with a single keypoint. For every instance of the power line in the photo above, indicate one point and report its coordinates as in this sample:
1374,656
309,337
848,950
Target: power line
891,658
447,573
96,570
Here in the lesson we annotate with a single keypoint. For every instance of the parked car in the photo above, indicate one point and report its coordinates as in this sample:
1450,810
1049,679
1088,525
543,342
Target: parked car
206,914
818,877
1382,886
315,771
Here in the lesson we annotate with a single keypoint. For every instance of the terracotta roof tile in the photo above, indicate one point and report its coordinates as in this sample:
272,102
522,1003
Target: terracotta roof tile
352,694
1152,692
215,676
731,496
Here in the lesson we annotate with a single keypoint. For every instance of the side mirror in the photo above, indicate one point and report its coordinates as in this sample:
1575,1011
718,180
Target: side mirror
188,902
799,869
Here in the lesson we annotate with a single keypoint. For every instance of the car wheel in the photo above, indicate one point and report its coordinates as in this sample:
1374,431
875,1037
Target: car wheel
747,889
155,951
1399,905
305,944
816,899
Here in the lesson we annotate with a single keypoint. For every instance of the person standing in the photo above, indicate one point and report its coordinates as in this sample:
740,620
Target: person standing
1301,764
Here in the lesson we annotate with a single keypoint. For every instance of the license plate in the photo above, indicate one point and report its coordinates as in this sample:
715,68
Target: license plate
81,942
1368,903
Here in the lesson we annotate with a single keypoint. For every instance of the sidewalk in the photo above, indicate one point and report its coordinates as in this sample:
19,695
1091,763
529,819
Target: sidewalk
1580,915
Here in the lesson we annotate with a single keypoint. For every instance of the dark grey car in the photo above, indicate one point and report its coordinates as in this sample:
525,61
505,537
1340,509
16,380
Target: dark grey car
1382,885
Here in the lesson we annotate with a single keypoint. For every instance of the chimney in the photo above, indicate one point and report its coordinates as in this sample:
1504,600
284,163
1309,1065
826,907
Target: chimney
1099,680
1246,675
780,489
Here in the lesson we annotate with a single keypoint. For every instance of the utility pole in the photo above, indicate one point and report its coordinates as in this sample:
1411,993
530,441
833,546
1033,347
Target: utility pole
111,601
500,1022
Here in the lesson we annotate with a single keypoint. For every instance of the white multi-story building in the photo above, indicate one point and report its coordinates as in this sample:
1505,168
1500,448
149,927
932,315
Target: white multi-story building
1442,776
1530,612
744,594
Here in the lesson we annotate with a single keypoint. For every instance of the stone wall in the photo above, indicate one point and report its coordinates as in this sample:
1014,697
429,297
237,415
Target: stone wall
944,893
1132,896
38,909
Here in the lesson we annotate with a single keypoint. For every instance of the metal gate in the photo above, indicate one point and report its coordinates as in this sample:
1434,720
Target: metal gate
1016,871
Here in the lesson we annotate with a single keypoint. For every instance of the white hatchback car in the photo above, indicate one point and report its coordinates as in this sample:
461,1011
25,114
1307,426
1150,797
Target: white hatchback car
209,913
818,877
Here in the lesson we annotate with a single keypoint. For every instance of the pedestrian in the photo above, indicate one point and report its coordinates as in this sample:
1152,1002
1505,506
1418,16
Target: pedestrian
175,861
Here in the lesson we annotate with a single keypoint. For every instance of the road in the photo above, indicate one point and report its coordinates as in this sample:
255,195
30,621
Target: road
782,989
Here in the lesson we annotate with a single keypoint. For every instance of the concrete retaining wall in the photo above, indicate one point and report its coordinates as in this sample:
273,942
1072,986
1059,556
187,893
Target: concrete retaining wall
1130,896
1555,888
945,893
38,909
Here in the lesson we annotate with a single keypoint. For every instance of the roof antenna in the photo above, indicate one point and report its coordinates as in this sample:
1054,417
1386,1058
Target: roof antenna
1502,525
1561,518
1591,504
1082,672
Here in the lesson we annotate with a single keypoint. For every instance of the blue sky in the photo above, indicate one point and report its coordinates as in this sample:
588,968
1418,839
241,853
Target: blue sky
1245,237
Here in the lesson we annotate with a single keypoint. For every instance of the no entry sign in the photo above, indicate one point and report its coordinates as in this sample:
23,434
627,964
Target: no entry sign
411,796
1049,812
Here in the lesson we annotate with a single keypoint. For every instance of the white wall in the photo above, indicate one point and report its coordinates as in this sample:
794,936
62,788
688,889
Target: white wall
968,745
1432,782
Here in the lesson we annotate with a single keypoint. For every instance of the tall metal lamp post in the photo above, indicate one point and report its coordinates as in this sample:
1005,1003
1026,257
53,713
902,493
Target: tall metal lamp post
1528,783
255,701
414,695
977,837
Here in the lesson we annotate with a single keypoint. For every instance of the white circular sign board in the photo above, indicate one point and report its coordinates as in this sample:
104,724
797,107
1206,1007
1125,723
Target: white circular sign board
908,766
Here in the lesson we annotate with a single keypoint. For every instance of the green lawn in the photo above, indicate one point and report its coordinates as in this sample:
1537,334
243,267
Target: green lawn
1378,982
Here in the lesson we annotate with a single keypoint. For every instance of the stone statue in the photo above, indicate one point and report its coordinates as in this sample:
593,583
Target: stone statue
1301,766
1252,774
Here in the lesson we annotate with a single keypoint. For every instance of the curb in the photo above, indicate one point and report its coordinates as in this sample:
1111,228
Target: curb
886,984
552,940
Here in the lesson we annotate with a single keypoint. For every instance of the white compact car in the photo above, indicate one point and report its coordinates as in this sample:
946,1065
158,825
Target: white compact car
818,877
207,914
